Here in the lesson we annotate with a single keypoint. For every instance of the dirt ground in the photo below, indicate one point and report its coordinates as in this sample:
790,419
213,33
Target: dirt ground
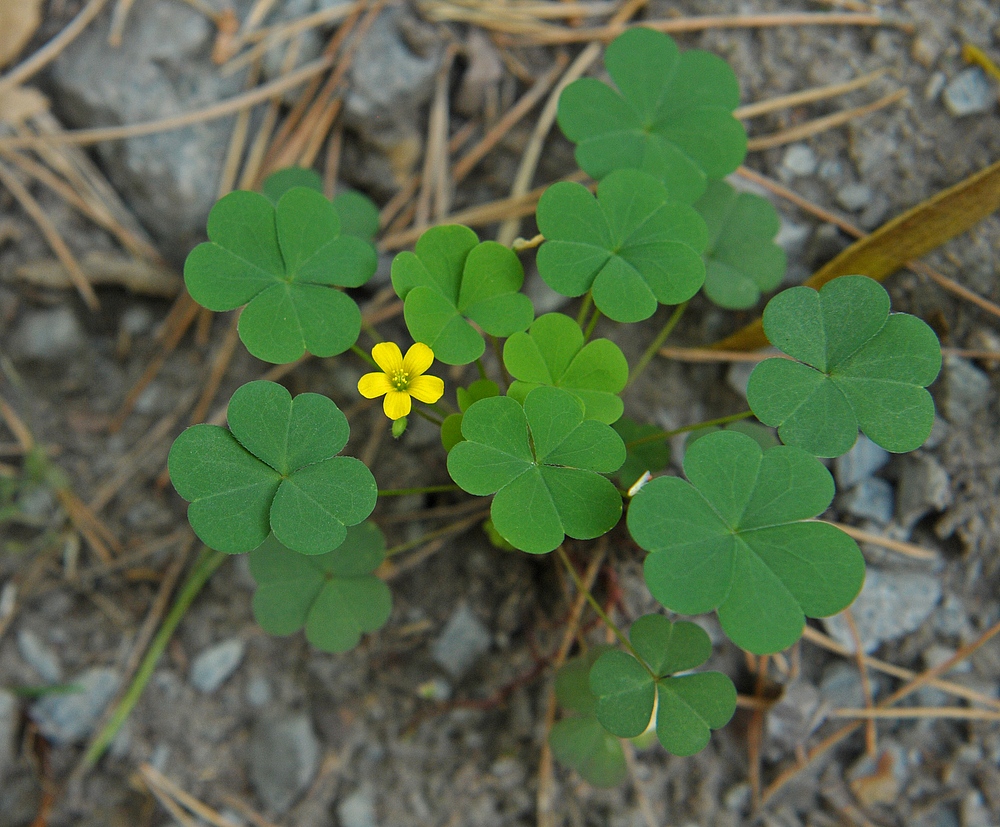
384,735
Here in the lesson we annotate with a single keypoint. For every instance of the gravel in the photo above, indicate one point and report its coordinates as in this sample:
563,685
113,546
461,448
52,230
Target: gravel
211,667
284,757
462,642
970,93
69,718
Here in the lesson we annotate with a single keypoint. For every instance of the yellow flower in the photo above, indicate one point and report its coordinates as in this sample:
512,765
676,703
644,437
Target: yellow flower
401,378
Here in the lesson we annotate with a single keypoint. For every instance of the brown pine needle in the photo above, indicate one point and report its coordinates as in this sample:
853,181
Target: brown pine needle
220,364
753,110
158,781
817,125
909,549
963,712
866,685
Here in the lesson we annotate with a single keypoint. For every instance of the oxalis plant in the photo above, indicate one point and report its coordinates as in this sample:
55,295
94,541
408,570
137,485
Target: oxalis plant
546,437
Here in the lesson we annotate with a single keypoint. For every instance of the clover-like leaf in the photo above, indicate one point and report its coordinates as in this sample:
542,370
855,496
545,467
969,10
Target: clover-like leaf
645,456
761,434
275,470
631,246
579,740
451,428
358,215
552,352
335,596
739,538
283,262
858,366
544,462
687,707
672,115
741,260
451,279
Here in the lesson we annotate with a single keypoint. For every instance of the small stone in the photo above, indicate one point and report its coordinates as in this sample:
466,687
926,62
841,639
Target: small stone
841,687
974,812
854,197
68,718
461,643
52,335
924,486
924,51
871,499
737,797
9,724
792,237
891,604
967,390
738,376
830,170
213,665
860,463
39,656
137,320
284,756
934,86
258,692
799,160
969,93
793,718
358,809
936,654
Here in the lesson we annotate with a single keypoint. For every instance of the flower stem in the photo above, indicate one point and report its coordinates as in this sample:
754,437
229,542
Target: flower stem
584,309
372,332
657,343
366,356
428,489
481,368
591,324
661,435
427,416
498,350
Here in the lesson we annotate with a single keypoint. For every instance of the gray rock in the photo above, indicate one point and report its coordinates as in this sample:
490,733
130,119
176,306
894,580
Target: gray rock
935,84
162,68
871,499
830,170
854,197
799,159
284,756
924,486
970,92
974,812
860,463
39,656
967,390
840,686
69,718
461,643
737,797
793,718
358,809
213,665
258,691
891,604
9,720
51,335
792,237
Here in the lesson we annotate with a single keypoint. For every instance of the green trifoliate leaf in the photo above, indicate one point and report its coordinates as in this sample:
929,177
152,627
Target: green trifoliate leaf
358,215
276,470
671,116
631,246
544,463
552,352
649,456
741,260
739,538
858,367
452,279
451,428
283,262
761,434
687,707
335,596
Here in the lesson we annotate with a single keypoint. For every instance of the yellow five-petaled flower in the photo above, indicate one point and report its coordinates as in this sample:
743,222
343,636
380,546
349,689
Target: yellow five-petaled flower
401,378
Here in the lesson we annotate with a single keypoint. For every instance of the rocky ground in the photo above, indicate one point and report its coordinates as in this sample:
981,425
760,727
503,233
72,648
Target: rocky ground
439,718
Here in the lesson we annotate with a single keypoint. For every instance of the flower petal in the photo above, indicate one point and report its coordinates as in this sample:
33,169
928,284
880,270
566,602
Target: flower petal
426,388
418,358
396,404
373,384
388,357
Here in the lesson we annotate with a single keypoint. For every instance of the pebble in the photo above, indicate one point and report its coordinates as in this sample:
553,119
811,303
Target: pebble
39,656
841,688
974,812
793,718
50,335
358,809
830,170
860,463
284,756
967,390
70,717
924,486
799,160
970,92
463,640
871,499
891,604
212,666
737,797
9,724
934,86
258,691
854,197
792,237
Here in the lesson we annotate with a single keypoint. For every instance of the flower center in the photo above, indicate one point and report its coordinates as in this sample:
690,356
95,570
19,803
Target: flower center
399,379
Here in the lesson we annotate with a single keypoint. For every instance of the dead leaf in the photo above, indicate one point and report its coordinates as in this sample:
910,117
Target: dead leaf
105,268
18,21
19,103
905,238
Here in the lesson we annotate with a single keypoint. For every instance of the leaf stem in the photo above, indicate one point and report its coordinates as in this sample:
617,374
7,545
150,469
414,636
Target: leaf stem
591,324
584,309
657,343
438,532
427,416
481,368
660,435
371,331
498,350
209,561
364,355
428,489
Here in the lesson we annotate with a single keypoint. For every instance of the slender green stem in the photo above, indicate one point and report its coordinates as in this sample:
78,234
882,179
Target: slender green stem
661,435
498,350
481,368
429,489
366,356
618,633
584,309
458,525
429,417
209,561
657,343
591,324
372,332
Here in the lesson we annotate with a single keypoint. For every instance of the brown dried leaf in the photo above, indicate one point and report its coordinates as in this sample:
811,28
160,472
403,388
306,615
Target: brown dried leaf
18,21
